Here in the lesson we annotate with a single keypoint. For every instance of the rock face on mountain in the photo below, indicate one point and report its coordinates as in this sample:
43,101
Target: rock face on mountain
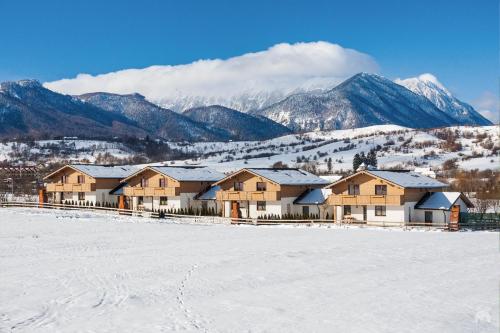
161,122
237,125
363,100
427,85
27,108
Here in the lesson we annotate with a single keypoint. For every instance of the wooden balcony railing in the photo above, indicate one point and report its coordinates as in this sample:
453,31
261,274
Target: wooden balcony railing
248,195
151,191
382,200
60,187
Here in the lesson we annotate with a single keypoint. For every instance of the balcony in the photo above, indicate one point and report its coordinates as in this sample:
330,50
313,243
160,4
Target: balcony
248,195
357,200
151,191
60,187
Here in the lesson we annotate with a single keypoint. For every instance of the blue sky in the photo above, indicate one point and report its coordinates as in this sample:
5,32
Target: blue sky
455,40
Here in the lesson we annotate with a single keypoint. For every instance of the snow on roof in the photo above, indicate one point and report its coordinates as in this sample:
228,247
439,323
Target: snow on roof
105,171
331,178
189,173
210,194
289,176
313,197
408,179
438,200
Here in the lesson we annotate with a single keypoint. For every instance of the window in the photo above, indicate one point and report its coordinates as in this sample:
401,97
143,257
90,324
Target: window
347,210
261,205
428,217
204,206
140,200
238,186
64,179
261,186
380,210
353,189
80,179
62,196
162,182
163,201
81,195
144,182
380,189
305,210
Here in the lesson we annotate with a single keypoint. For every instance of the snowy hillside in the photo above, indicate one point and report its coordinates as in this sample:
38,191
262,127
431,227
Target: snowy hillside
397,146
68,271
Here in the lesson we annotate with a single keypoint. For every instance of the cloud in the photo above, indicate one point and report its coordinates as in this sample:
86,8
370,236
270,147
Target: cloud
488,105
282,68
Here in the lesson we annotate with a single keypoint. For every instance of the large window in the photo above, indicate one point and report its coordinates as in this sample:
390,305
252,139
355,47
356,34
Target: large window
238,186
140,200
144,182
163,201
162,182
261,186
347,210
261,205
381,189
80,179
353,189
81,195
380,210
428,217
64,179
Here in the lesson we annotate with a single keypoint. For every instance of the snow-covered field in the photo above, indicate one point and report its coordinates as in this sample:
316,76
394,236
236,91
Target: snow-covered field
398,147
84,272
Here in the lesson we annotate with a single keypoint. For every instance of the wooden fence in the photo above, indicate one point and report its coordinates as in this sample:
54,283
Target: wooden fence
226,220
480,221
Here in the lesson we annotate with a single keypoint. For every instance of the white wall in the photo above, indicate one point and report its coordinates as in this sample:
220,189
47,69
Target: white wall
272,207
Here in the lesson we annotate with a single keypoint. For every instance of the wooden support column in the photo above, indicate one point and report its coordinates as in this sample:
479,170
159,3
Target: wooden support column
121,202
42,197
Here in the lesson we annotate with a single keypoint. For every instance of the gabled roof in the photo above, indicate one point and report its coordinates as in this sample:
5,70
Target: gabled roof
442,200
184,173
405,179
209,194
99,171
315,196
283,176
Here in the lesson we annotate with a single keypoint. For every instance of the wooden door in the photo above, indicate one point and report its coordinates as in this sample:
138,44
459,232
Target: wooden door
455,214
454,218
235,209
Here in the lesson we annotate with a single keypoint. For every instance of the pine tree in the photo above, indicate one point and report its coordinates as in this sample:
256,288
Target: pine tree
356,162
372,158
329,165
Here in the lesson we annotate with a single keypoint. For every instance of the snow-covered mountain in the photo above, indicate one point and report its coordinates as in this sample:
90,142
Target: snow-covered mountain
245,102
164,123
369,99
237,125
427,85
363,100
29,109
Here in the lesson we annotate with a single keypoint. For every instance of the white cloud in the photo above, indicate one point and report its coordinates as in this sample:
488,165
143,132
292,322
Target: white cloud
488,105
283,68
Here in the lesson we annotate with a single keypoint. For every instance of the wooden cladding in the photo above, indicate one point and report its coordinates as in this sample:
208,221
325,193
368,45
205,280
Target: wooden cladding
386,200
151,191
59,187
249,195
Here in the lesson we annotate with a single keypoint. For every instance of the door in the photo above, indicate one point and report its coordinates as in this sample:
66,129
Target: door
365,217
455,214
235,209
454,218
